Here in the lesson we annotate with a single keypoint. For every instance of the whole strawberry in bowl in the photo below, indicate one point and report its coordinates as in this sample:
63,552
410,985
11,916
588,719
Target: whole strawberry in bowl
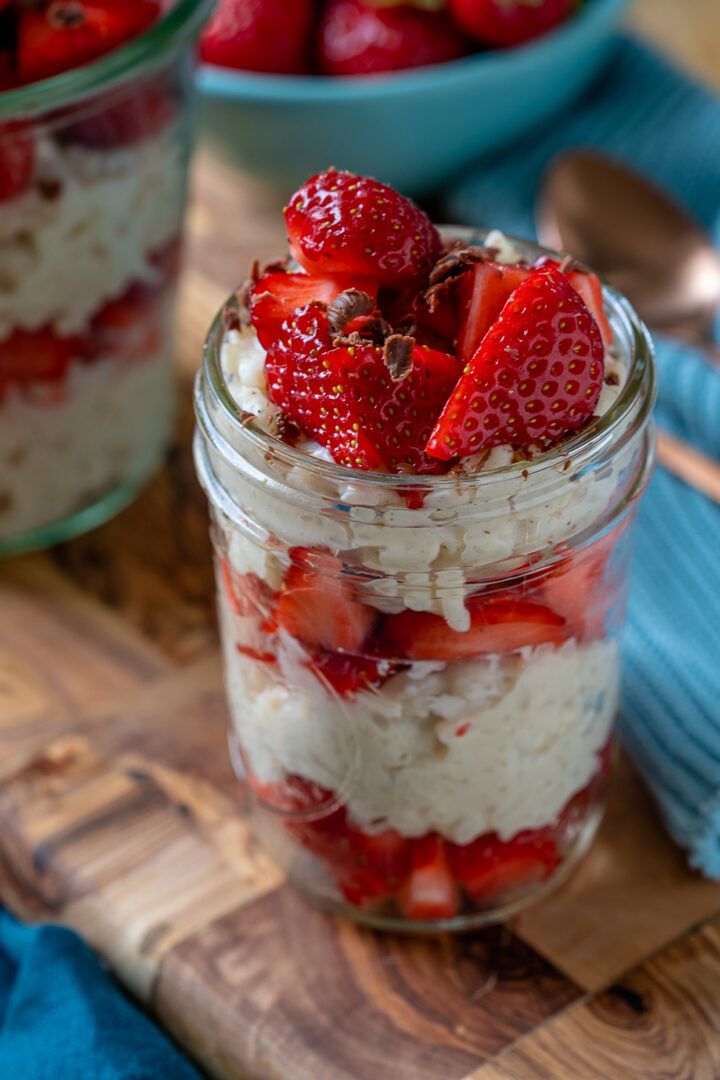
94,143
408,90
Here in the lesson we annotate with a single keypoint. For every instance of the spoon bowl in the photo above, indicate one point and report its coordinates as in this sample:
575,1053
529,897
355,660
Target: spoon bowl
634,235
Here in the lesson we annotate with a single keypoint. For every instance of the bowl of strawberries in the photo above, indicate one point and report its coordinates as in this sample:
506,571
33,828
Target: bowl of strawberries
407,90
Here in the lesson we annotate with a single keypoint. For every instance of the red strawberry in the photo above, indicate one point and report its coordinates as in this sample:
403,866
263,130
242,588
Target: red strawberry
346,399
247,594
354,225
490,868
17,159
589,287
430,892
482,294
348,675
536,375
359,38
305,388
496,626
509,22
7,70
278,294
37,356
373,868
139,116
398,415
316,605
259,35
69,33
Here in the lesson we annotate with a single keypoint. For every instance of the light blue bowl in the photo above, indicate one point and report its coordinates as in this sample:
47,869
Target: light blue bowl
413,129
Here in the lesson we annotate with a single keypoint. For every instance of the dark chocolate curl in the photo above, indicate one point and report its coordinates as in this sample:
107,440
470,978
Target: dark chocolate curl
399,356
349,305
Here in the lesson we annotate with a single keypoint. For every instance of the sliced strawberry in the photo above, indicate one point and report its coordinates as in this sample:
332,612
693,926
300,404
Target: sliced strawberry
536,376
490,868
496,626
309,390
256,654
346,224
316,605
589,287
360,38
482,294
17,159
141,115
8,79
373,867
398,416
509,22
247,594
259,35
278,294
37,356
430,891
348,675
68,33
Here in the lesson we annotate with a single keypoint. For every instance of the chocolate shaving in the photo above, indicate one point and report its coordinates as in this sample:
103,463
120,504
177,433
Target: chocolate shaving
569,265
49,188
349,305
471,466
66,15
399,356
612,379
455,262
289,432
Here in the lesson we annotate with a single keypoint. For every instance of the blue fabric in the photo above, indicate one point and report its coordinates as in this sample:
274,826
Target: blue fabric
651,116
62,1017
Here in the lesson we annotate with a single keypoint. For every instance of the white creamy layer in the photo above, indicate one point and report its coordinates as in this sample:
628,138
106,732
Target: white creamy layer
532,725
62,257
66,446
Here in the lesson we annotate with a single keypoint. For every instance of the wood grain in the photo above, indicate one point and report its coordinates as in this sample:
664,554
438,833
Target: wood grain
660,1021
133,830
281,990
688,30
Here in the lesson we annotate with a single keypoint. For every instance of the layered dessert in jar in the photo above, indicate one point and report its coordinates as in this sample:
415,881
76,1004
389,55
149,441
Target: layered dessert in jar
423,451
94,142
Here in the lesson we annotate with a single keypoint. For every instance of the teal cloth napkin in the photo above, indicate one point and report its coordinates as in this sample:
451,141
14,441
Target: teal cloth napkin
651,116
63,1018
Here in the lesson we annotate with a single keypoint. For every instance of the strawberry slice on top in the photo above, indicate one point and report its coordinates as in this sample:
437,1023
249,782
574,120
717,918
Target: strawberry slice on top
536,375
66,34
355,225
277,294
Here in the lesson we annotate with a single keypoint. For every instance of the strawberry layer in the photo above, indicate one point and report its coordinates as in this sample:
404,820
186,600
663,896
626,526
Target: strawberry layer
497,743
100,212
64,446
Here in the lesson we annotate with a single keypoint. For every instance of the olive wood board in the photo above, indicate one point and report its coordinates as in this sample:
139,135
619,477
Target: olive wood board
120,817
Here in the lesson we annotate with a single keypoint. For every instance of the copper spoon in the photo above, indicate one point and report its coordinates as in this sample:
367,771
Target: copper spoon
638,238
652,251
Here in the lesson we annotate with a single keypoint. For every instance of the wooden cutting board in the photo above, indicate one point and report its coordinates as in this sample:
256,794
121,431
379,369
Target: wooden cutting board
120,817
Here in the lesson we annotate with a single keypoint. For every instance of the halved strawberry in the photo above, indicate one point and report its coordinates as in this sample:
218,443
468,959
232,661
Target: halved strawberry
369,869
496,626
397,416
247,594
509,22
30,356
17,159
490,868
140,115
7,68
348,674
430,891
590,289
316,605
278,294
582,590
68,33
346,224
482,294
536,376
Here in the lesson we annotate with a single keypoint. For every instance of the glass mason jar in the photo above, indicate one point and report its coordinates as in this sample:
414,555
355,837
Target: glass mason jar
90,227
451,768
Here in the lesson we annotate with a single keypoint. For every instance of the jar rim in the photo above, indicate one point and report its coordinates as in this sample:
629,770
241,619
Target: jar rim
176,27
605,433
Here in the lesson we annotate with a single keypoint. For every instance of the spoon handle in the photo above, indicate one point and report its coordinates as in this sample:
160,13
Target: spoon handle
688,464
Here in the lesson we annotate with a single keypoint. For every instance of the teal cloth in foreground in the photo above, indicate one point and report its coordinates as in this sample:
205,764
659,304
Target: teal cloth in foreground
654,118
63,1018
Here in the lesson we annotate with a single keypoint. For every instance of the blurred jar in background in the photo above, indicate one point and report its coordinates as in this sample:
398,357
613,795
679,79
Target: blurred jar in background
93,167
